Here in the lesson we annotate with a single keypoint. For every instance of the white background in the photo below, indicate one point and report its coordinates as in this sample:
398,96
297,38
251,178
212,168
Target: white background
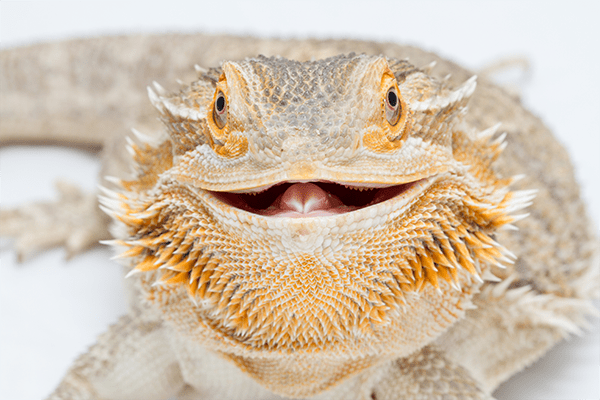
50,309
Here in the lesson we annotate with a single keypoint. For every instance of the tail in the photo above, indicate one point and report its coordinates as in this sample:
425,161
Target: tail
77,93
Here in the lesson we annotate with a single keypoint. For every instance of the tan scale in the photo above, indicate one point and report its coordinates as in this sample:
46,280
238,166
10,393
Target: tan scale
340,228
298,286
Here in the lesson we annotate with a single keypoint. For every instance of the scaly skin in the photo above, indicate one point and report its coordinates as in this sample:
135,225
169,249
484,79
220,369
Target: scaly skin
295,231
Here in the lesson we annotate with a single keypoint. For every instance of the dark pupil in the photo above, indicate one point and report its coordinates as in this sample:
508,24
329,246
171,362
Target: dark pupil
220,103
392,99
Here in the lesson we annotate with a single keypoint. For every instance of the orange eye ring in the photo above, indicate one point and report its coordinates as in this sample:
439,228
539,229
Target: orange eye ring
220,110
393,106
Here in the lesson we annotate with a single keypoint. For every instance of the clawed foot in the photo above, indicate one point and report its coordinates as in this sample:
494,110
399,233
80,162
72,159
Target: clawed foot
74,221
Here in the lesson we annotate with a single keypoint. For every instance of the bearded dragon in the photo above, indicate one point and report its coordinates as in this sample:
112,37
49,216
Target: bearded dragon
313,223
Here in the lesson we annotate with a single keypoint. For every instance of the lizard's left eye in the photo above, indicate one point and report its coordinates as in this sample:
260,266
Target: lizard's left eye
393,106
220,110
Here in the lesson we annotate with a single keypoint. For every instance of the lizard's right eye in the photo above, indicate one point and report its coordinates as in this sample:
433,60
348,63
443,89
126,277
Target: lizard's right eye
220,110
393,109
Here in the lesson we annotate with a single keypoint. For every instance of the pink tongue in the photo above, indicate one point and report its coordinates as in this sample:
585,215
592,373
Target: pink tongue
304,198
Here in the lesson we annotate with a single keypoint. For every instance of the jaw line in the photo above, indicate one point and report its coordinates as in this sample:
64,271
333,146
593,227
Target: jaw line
395,205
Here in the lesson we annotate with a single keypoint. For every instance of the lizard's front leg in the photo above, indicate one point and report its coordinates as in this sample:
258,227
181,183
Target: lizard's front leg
132,360
74,221
428,375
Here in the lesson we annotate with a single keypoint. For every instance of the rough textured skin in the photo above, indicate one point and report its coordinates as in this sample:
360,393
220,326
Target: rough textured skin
381,264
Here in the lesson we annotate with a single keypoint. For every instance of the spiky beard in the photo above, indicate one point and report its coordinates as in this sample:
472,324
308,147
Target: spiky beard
358,284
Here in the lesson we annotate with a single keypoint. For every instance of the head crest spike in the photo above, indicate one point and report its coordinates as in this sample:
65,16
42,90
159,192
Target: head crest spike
429,67
199,70
155,100
455,99
161,90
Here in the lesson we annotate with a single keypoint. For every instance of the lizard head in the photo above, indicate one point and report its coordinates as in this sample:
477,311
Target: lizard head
340,205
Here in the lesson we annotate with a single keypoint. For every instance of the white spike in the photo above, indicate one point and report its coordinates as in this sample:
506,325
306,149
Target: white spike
530,196
182,111
140,136
130,150
508,227
110,203
502,146
429,67
471,83
528,200
509,253
159,89
516,293
518,203
517,178
500,139
519,217
193,299
455,286
506,260
132,273
113,205
108,211
114,179
464,91
110,242
129,141
489,132
144,215
498,263
489,276
200,70
528,192
108,192
118,257
155,100
564,323
521,205
180,82
157,206
501,287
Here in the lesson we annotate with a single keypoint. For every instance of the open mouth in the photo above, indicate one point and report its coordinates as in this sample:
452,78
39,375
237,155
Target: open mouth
311,199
